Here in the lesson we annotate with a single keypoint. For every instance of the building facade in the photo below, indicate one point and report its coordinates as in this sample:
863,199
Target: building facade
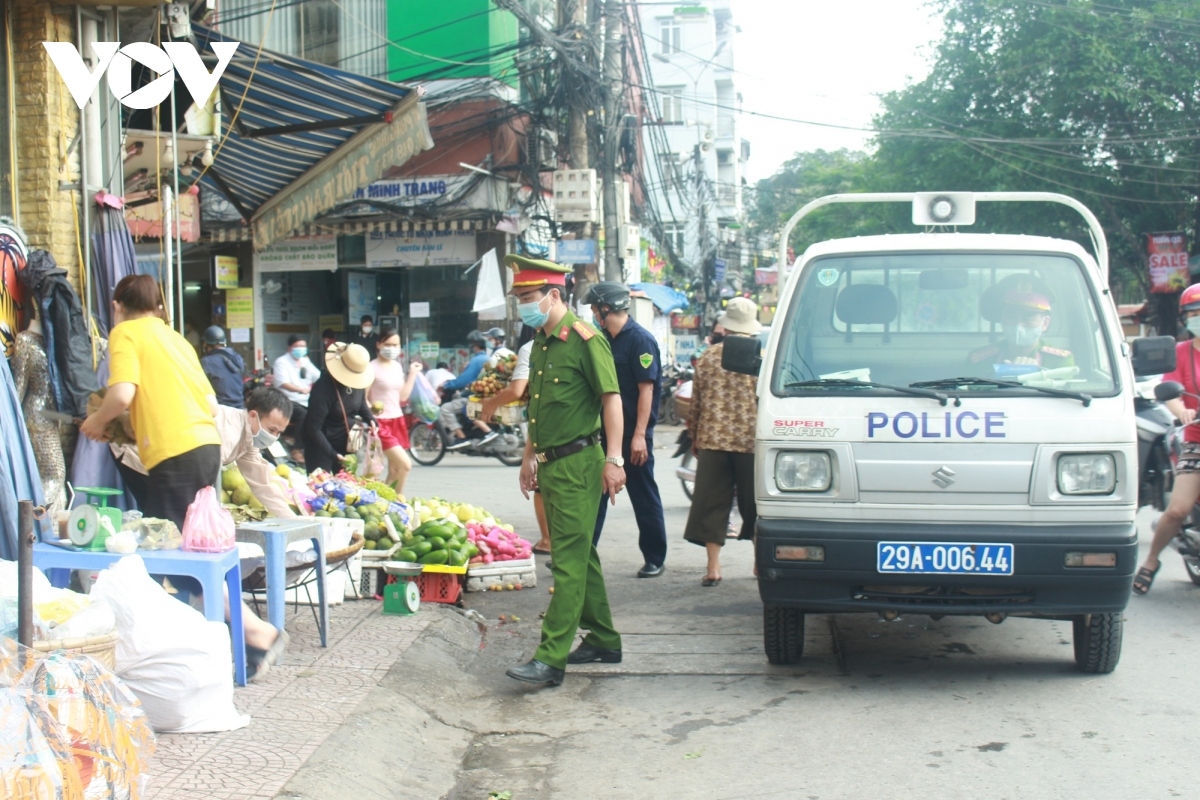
695,155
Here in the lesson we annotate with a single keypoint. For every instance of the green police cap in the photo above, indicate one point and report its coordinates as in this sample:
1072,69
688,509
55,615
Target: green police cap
530,273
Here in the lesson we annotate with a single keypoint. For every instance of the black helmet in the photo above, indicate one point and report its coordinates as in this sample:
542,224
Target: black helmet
475,337
609,293
214,334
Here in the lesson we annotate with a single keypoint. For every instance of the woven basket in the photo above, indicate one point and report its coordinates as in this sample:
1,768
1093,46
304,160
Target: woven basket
683,407
102,648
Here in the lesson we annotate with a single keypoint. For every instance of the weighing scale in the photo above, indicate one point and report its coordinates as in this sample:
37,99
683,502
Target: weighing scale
403,597
90,525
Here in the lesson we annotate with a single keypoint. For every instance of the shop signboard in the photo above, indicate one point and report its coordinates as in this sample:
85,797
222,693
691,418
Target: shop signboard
226,268
575,251
448,191
239,308
298,254
685,321
685,348
429,351
719,267
418,310
332,322
420,249
360,296
766,277
1168,262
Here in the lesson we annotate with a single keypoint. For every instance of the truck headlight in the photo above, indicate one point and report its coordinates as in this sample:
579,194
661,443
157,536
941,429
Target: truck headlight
1087,473
803,471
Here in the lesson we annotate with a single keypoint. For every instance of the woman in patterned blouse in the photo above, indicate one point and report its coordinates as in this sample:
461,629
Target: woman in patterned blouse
721,419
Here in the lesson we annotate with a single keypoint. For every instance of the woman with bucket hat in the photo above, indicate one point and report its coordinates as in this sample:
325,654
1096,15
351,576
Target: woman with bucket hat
721,419
338,396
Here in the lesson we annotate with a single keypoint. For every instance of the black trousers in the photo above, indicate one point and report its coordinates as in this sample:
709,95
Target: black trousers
719,475
647,506
171,485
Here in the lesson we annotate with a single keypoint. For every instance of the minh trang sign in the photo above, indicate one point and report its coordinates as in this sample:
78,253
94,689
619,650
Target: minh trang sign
173,58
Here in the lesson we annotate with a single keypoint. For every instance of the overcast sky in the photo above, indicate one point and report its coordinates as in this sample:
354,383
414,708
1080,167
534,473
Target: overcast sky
825,61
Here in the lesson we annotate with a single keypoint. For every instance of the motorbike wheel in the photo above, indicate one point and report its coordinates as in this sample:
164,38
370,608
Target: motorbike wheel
667,413
688,486
1192,565
1161,479
427,445
511,456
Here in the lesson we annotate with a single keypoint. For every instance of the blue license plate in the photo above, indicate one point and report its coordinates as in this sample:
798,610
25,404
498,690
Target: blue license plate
941,558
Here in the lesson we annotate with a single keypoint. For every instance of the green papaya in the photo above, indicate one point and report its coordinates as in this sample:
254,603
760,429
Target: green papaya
471,551
436,557
421,548
438,542
457,558
406,555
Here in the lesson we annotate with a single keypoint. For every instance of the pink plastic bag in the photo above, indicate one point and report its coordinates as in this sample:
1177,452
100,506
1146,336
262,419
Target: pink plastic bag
208,528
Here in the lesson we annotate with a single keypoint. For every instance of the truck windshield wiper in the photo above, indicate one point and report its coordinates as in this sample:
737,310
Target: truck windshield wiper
950,383
846,383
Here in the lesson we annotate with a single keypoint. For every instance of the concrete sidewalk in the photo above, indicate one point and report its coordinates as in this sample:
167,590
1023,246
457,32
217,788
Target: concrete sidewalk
294,708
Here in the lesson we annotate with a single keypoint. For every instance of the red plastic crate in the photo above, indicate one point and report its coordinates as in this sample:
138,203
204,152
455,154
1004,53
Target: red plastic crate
440,587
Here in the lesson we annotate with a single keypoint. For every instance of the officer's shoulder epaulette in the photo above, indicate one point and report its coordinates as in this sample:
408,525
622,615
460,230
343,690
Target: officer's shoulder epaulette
1054,351
984,352
583,330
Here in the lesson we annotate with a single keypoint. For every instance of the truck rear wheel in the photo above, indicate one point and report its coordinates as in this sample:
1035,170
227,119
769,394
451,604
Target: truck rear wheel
1098,642
783,634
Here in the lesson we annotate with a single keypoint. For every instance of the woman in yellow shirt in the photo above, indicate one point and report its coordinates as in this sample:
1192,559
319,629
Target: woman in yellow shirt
154,372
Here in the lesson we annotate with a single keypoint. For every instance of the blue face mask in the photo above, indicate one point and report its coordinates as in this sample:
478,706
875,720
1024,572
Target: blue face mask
532,314
299,352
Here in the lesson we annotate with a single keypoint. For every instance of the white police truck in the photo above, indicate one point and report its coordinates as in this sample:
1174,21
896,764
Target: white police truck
946,427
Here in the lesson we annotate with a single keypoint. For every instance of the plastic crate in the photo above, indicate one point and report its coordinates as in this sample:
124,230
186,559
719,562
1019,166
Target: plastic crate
512,414
519,572
438,586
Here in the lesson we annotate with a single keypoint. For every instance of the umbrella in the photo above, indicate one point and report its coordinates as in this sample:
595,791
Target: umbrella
114,259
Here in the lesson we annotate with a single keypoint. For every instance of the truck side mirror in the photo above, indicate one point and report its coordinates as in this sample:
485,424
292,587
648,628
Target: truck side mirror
1153,355
741,354
1168,390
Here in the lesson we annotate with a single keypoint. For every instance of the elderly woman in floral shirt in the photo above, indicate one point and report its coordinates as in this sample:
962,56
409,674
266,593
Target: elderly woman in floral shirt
721,419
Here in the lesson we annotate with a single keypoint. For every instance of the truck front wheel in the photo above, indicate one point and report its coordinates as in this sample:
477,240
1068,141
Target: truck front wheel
783,634
1098,642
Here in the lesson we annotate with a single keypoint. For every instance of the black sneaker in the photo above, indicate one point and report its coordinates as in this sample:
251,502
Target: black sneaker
489,437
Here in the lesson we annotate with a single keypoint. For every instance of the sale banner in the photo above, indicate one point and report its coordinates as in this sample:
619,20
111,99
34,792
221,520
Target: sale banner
1168,262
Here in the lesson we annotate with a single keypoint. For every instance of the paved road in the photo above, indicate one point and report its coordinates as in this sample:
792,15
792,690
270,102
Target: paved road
953,708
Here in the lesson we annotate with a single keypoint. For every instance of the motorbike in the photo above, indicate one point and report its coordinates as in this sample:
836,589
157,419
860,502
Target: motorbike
428,441
668,412
686,471
1188,541
1154,423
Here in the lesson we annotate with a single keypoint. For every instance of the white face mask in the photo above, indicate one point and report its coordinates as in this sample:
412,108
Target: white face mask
366,329
1193,325
264,438
390,353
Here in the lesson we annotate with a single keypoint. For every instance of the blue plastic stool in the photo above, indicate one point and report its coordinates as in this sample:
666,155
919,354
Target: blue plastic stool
210,569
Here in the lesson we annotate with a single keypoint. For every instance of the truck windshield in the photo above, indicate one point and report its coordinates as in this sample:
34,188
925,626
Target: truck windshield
950,322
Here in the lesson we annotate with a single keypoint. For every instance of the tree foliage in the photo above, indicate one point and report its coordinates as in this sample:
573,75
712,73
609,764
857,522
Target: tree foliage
1096,99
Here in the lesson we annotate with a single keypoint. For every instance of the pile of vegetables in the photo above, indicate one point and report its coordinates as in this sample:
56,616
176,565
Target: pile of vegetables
496,544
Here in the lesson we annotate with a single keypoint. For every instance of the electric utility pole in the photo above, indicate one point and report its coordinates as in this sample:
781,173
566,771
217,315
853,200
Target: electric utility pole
613,40
573,13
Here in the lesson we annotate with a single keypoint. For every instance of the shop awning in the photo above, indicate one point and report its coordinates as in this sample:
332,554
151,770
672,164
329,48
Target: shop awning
305,136
664,298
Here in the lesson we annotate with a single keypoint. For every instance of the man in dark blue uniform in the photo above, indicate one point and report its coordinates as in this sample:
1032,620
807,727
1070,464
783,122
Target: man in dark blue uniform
224,368
639,375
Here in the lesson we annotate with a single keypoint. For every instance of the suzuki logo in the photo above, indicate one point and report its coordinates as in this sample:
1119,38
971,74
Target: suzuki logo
118,61
943,476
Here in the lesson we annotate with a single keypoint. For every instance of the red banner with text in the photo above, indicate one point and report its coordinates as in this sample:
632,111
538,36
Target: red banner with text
1168,262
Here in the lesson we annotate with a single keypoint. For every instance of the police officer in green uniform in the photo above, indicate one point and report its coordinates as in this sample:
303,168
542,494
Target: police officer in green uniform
1024,315
572,382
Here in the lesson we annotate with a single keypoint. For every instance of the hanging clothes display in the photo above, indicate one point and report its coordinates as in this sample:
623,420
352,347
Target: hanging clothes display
31,372
12,294
19,479
113,258
68,341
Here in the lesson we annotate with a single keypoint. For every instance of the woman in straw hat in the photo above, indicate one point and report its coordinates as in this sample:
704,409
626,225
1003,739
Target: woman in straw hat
337,398
721,419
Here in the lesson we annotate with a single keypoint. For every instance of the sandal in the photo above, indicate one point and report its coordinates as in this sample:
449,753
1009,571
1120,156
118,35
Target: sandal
541,552
1145,579
710,581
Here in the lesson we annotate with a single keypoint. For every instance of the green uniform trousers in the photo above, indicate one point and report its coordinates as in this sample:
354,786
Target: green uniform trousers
571,489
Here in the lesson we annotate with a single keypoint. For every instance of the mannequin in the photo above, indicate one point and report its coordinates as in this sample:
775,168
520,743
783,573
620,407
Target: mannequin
32,375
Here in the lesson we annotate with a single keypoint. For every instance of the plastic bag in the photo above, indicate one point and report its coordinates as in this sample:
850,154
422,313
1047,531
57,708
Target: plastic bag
424,400
208,528
371,461
177,663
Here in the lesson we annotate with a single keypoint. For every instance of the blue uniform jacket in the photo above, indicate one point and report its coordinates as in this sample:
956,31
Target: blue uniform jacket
469,374
225,371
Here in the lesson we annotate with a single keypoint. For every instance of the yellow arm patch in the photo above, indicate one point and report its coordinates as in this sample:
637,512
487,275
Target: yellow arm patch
583,330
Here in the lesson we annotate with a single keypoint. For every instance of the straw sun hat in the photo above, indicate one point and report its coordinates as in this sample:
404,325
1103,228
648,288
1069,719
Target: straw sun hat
350,365
741,316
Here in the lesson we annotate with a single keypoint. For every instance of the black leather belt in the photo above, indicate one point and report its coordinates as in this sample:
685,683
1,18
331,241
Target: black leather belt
568,449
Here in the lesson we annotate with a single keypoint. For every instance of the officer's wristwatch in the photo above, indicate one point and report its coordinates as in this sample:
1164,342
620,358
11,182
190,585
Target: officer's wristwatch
615,461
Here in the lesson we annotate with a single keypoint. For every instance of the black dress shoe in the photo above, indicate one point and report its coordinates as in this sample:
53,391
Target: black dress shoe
587,653
537,672
649,570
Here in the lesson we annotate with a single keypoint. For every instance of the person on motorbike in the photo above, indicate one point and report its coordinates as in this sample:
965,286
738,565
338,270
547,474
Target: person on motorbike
224,368
1187,471
452,410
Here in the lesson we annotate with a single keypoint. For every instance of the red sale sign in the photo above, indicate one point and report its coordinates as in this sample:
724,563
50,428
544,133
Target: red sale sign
1168,262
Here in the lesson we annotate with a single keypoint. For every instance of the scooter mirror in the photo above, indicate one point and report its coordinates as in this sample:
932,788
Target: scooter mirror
1168,390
